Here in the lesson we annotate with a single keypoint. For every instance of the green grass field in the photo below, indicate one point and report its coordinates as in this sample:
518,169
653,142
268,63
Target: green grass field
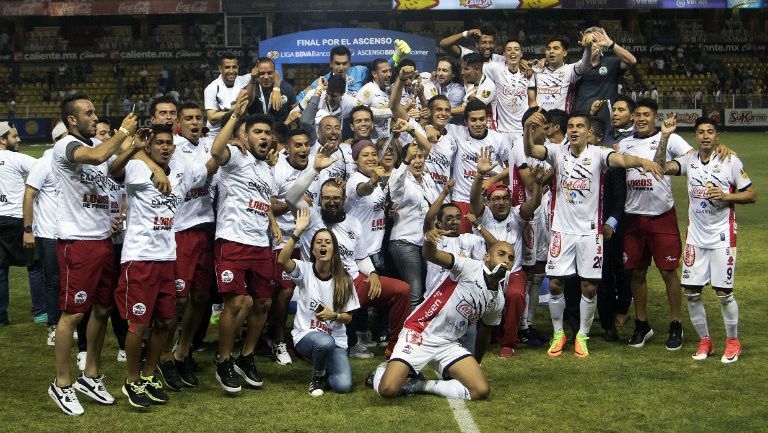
617,389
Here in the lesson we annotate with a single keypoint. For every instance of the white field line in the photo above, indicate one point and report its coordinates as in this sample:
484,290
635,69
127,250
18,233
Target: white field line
462,416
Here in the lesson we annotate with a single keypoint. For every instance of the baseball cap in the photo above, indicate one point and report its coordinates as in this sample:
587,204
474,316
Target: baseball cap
496,187
58,130
5,127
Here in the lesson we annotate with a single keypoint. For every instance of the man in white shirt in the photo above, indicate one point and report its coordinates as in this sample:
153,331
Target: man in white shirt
556,80
485,44
374,95
220,95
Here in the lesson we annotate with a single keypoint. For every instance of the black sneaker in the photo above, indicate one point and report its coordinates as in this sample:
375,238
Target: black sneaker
186,370
137,393
541,335
611,335
246,368
527,336
369,379
643,333
316,386
675,339
227,377
171,377
154,390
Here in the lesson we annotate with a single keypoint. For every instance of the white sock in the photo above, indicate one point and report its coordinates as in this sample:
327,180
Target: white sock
730,312
586,314
447,388
698,314
533,292
378,375
556,310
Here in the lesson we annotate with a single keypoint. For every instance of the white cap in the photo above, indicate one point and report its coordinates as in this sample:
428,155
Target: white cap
58,130
5,127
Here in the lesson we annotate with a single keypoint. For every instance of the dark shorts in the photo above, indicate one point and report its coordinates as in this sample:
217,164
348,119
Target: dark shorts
652,236
146,290
86,269
12,251
244,269
194,262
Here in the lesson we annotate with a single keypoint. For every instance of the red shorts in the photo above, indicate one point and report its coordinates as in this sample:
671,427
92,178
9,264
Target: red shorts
194,262
656,236
144,290
244,269
86,274
466,226
279,276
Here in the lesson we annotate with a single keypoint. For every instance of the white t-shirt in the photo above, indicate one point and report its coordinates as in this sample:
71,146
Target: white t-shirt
285,175
312,292
198,202
466,148
647,195
447,312
14,167
341,112
369,210
510,229
150,235
219,97
82,200
245,193
116,196
497,58
44,207
440,158
412,200
578,188
372,95
347,232
467,245
555,88
712,223
507,94
343,167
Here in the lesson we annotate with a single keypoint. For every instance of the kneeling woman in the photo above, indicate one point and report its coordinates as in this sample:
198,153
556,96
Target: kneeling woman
326,298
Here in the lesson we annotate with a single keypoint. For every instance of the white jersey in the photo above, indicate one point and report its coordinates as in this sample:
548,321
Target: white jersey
510,229
369,210
440,158
82,199
411,200
496,58
371,95
578,188
116,196
219,97
342,167
44,207
555,88
245,193
712,223
347,232
151,213
285,175
464,168
647,195
341,111
507,94
14,167
198,202
312,292
467,245
447,312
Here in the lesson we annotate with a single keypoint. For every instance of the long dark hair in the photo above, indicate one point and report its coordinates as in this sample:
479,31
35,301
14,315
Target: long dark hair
342,282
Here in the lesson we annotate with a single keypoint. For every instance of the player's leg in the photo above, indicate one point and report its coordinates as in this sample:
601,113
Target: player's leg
589,263
262,291
514,310
696,275
637,258
666,248
102,262
279,311
164,325
561,265
723,273
468,383
318,347
390,377
395,294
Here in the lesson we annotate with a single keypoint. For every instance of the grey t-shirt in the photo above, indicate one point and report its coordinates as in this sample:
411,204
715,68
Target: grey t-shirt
598,82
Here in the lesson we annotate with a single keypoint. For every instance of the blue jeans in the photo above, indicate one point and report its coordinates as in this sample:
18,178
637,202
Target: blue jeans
36,291
410,266
326,356
46,251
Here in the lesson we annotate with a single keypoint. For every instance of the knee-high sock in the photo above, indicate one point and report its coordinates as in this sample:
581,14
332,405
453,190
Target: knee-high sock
378,374
586,314
698,314
447,388
730,312
556,310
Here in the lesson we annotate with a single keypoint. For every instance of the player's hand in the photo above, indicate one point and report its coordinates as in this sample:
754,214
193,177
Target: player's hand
303,218
308,200
240,144
526,68
130,122
484,164
474,33
240,104
607,231
402,49
715,193
472,219
540,174
273,156
141,139
587,39
653,168
293,115
275,99
28,240
597,104
448,187
433,135
323,157
161,181
724,152
669,125
406,72
377,174
535,120
326,315
602,38
374,286
322,84
434,236
277,233
424,113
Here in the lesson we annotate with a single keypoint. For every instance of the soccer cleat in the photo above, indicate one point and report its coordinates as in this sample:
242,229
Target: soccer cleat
704,350
121,356
580,349
316,386
171,377
527,336
94,388
643,333
186,369
227,377
732,351
66,399
52,335
40,319
675,338
137,394
154,390
280,351
81,360
216,313
557,344
246,368
506,352
359,351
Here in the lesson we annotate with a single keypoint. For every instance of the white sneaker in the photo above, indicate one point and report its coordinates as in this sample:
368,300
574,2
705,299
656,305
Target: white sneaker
360,351
94,388
366,338
121,356
66,399
51,335
81,361
281,354
74,335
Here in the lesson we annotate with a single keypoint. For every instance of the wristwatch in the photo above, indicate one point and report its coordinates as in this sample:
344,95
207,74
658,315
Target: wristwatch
27,229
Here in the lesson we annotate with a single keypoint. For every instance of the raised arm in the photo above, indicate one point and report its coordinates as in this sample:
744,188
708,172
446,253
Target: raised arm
401,125
484,165
434,208
219,150
449,44
630,161
534,122
534,201
398,111
431,253
668,127
302,222
99,154
585,63
294,195
627,58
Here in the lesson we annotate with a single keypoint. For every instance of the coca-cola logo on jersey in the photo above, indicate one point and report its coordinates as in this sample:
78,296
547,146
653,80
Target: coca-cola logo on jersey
133,8
577,184
516,91
699,192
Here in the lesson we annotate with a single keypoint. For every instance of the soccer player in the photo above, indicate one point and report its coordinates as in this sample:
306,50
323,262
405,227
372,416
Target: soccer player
715,185
327,98
221,94
374,95
485,44
242,248
576,247
556,79
163,111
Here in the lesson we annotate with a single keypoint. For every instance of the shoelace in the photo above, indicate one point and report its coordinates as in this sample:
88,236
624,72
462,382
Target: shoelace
154,383
69,394
98,382
139,388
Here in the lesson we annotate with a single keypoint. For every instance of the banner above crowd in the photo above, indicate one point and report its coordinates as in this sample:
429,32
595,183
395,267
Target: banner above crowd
574,4
106,7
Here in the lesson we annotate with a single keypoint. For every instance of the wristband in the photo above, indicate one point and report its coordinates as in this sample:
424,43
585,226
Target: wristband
275,88
479,227
610,47
337,317
27,229
295,238
465,33
124,131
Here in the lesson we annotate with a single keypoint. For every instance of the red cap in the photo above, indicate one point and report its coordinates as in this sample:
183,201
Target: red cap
496,187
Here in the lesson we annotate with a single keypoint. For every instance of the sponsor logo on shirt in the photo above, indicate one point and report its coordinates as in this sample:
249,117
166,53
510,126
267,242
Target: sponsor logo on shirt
162,223
554,249
196,193
584,184
641,184
467,311
555,90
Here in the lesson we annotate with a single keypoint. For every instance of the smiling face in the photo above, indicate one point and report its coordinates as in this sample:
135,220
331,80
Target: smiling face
331,202
362,122
322,246
578,131
476,122
329,131
444,72
259,139
265,74
645,121
486,46
513,52
298,150
367,160
161,148
500,202
383,74
441,113
191,122
228,68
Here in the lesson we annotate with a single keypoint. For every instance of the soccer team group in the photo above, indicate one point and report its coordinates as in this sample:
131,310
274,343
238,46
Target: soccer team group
439,198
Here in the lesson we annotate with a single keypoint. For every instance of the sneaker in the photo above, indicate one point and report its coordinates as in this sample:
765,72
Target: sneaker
643,333
705,349
52,335
280,352
66,399
580,349
732,351
359,351
121,357
137,393
40,319
81,360
246,368
171,377
527,336
316,386
675,339
369,379
227,377
382,340
557,344
366,338
154,390
94,388
541,336
506,352
186,369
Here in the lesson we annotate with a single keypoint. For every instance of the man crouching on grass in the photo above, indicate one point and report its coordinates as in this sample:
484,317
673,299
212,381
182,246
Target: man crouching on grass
472,293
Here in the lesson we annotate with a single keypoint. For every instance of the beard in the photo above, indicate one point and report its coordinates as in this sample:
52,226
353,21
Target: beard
332,217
